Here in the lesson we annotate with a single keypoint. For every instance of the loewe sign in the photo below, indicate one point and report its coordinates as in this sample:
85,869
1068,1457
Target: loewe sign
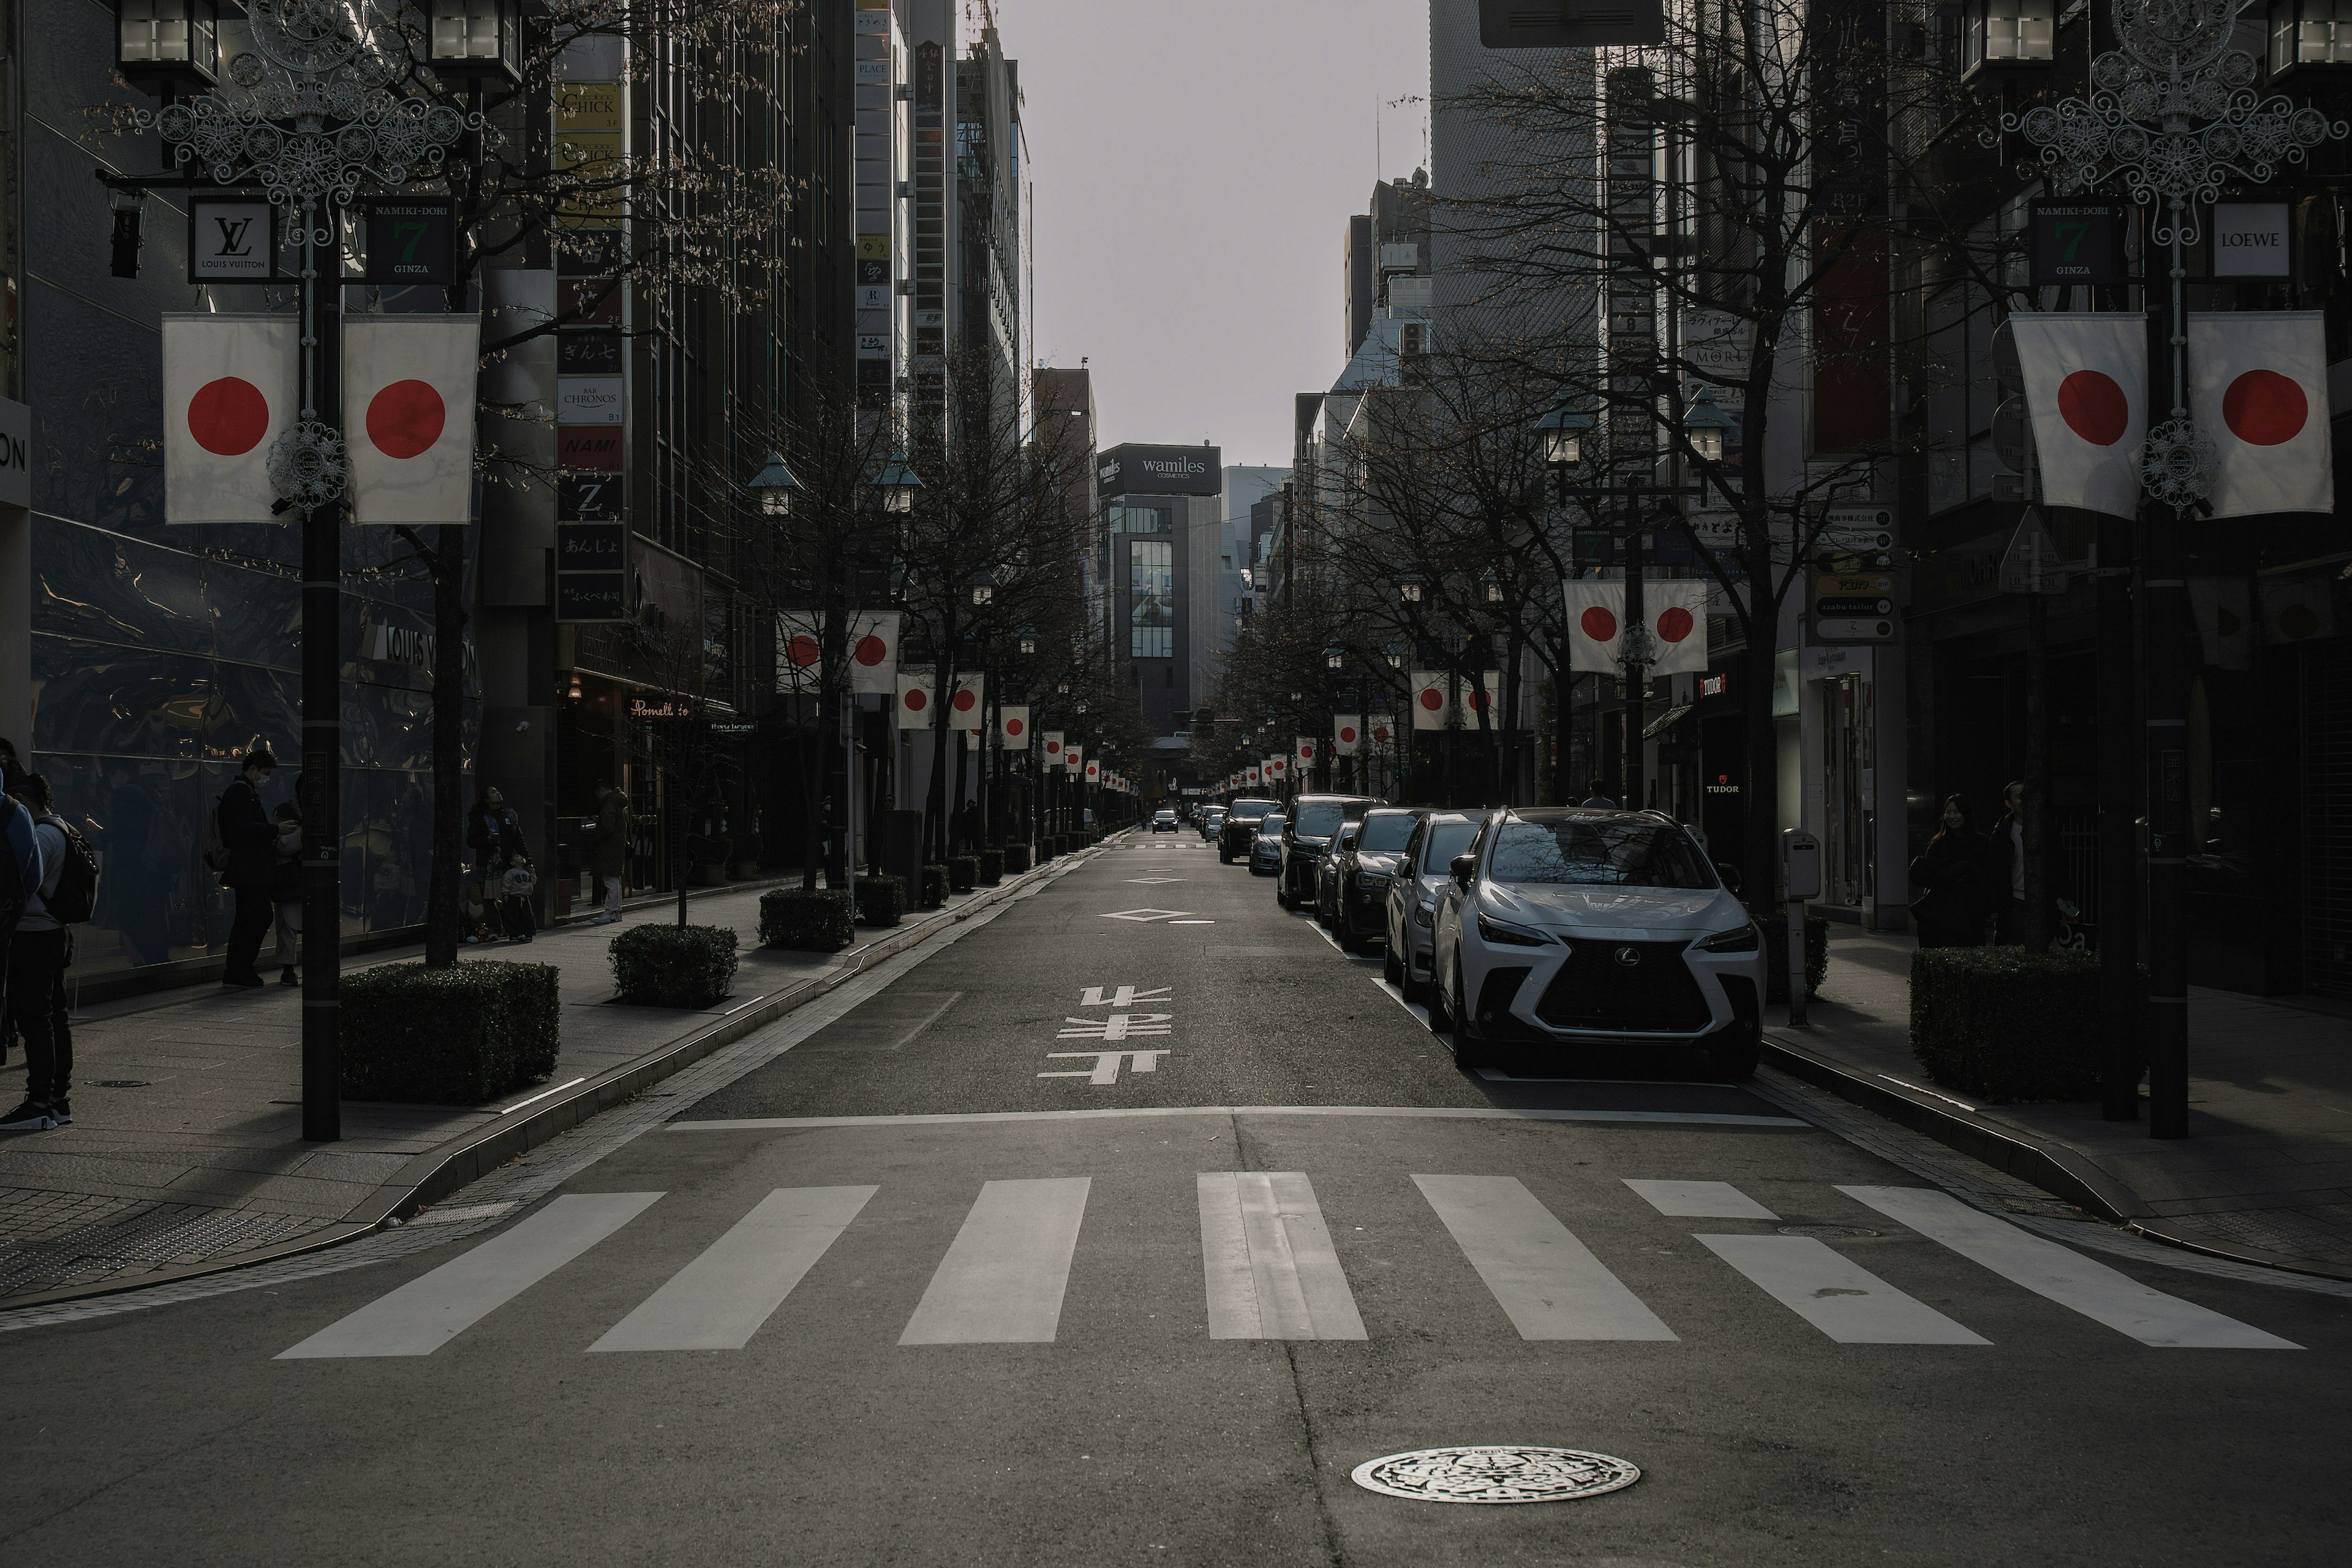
2252,239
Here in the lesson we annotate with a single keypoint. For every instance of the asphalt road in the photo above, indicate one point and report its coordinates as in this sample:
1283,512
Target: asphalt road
947,1277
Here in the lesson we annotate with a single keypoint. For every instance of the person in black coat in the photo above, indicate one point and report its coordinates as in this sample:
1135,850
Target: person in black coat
252,873
1951,912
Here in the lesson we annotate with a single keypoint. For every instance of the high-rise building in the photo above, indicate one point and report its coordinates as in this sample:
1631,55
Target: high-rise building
1388,254
1159,547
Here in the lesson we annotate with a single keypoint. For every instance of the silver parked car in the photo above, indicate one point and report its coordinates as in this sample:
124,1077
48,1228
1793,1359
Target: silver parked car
1421,870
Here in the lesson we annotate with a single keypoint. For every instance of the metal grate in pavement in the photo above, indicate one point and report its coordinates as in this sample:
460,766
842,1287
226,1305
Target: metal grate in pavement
157,1235
2319,1233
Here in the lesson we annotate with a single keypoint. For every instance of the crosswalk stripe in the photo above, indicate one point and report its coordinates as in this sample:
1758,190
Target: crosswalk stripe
1002,1279
1835,1294
430,1311
2063,1275
718,1302
1547,1282
1266,1255
1700,1200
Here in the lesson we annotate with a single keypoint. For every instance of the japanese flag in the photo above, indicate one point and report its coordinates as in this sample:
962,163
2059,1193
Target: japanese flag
1677,617
1013,731
1486,693
1380,732
1347,734
2258,391
967,711
231,387
914,701
1429,698
1306,746
1249,776
1052,746
1074,758
408,415
1596,624
799,654
2086,389
1094,771
874,651
1277,768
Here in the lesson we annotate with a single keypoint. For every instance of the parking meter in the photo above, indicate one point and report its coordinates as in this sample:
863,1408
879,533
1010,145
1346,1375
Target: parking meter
1801,879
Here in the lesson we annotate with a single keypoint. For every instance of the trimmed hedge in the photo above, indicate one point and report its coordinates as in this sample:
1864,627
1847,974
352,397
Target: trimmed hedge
963,873
1016,857
992,867
2006,1024
809,920
1776,954
674,966
935,884
447,1036
881,900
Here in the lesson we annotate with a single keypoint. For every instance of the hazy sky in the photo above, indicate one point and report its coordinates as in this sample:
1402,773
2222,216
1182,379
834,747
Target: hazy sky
1195,163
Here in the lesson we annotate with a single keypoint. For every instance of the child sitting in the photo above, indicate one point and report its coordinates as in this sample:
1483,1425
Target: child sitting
514,904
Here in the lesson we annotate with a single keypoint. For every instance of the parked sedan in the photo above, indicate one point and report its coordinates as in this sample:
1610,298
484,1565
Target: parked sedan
1352,893
1411,914
1315,821
1326,877
1266,850
1566,927
1240,827
1212,817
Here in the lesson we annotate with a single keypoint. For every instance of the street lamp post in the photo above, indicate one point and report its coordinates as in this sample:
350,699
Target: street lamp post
2173,114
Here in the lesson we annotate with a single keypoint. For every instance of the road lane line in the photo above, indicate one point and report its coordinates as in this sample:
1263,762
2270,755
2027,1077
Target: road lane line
1836,1295
1422,1112
1266,1255
718,1302
1547,1281
430,1311
2064,1276
1700,1200
1003,1279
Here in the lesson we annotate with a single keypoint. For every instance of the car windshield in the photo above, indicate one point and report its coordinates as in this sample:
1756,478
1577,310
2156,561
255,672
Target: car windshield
1446,839
1249,809
1269,826
1385,833
1599,853
1322,819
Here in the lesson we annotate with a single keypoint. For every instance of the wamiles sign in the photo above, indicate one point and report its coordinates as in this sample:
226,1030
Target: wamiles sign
1160,470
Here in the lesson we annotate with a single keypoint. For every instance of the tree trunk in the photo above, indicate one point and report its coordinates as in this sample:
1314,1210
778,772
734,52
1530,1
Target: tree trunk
1760,808
935,823
445,897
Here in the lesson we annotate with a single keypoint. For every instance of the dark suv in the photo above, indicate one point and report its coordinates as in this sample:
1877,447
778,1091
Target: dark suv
1239,828
1313,822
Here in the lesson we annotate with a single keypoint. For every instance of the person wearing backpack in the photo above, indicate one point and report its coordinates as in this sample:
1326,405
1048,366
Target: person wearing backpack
250,840
40,951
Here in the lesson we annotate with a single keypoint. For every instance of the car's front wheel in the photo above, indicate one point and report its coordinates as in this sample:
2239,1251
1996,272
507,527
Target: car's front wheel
1391,966
1440,1017
1734,1058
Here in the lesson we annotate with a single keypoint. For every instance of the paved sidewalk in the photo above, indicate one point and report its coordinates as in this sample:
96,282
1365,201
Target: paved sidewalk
186,1144
2266,1173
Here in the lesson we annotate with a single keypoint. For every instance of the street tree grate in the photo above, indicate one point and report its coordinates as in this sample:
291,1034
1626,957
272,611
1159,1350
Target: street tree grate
1495,1475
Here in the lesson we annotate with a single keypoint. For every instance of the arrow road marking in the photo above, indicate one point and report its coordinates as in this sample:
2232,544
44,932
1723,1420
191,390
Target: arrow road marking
1117,1027
1107,1063
1146,916
1128,996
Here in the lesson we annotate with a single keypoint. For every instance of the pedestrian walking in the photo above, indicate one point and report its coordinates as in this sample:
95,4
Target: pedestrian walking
608,852
40,951
285,884
516,884
1951,912
249,840
2007,886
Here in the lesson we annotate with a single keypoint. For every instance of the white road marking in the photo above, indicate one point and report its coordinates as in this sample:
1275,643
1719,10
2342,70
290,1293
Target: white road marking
1002,1279
1107,1063
2063,1275
929,1019
427,1313
1493,1075
1117,1027
718,1302
1700,1200
1267,1259
1836,1295
1147,916
1547,1281
1152,882
1410,1112
1192,922
1122,996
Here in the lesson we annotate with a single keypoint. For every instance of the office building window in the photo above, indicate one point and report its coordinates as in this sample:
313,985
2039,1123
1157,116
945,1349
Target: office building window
1151,599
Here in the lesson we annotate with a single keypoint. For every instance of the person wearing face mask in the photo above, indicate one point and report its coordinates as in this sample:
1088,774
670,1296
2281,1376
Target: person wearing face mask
1951,911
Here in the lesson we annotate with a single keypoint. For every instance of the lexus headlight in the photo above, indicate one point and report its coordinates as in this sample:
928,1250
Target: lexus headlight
1511,936
1425,915
1739,938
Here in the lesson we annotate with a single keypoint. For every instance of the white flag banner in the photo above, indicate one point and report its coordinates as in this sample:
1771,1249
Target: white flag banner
231,386
1094,771
2225,623
1251,775
914,701
1596,624
2086,389
1074,759
2297,609
1278,769
1306,747
1429,700
1380,733
1486,693
2258,391
874,652
968,711
1347,734
1677,615
1013,728
409,401
799,654
1052,742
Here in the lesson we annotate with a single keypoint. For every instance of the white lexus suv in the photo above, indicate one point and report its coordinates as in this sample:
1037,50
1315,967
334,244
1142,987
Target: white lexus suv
1566,928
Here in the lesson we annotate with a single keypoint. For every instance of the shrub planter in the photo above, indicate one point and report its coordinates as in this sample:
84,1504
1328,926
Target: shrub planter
2006,1024
1016,857
1776,954
674,966
935,884
963,873
447,1036
992,867
881,900
807,919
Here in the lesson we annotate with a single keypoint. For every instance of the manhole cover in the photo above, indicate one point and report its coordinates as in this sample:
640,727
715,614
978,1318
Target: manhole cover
1830,1232
1495,1475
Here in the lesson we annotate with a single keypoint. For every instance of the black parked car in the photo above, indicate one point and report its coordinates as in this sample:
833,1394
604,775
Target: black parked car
1240,829
1314,821
1356,905
1266,850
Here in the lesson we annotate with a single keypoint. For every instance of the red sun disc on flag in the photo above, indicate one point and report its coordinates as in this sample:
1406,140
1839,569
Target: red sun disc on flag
1306,753
2264,408
917,698
871,650
803,650
1675,624
1346,733
2095,407
228,416
1432,699
1015,727
405,418
965,700
1599,624
1052,746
